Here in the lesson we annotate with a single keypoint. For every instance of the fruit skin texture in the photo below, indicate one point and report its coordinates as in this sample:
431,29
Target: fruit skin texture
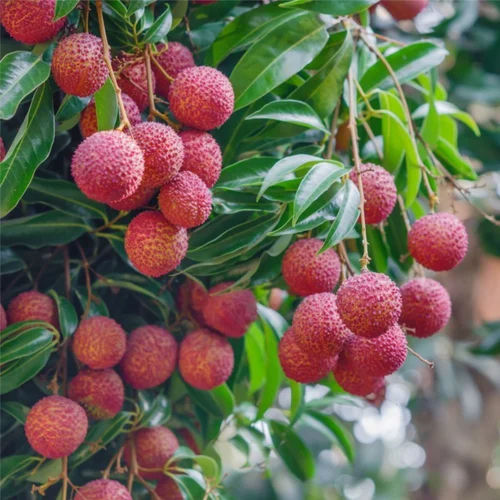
3,318
369,303
56,426
153,245
78,65
379,191
163,152
201,97
150,358
206,359
99,342
354,382
175,58
230,313
190,299
108,166
103,489
30,21
32,305
132,79
305,272
153,447
167,489
317,325
426,307
202,156
438,241
298,364
100,392
139,199
404,9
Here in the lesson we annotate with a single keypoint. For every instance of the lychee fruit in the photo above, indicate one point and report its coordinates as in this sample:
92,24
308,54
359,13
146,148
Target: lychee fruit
307,272
230,313
108,166
2,150
30,21
99,342
379,190
56,426
138,199
190,298
78,65
163,152
173,58
317,325
3,318
150,358
354,382
206,359
426,307
438,241
298,364
404,9
201,97
32,306
154,246
103,489
167,489
100,392
153,447
369,303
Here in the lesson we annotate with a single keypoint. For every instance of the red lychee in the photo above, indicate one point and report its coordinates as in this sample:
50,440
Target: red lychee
56,426
3,318
354,382
369,303
307,272
103,489
206,359
426,307
132,78
30,306
201,97
138,199
167,489
150,357
154,246
438,241
404,9
190,298
99,342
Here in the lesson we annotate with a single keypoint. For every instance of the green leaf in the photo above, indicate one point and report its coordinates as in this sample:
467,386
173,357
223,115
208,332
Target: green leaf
27,343
255,351
156,408
106,106
218,402
160,28
64,7
430,127
296,401
178,12
16,410
208,465
70,106
393,146
245,173
10,262
334,8
377,249
135,5
454,161
67,317
15,465
51,468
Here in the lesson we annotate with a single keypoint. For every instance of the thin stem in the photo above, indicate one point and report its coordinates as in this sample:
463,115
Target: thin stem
149,76
333,127
345,258
371,135
161,69
87,280
64,495
404,213
86,7
430,364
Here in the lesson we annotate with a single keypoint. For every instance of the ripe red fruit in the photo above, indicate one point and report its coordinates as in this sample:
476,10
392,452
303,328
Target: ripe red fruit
78,65
201,97
154,246
369,303
229,313
100,392
379,191
153,447
163,152
307,272
404,9
150,357
3,318
30,21
356,383
438,241
31,306
138,199
2,150
206,359
190,299
103,489
426,307
108,166
56,426
99,342
167,489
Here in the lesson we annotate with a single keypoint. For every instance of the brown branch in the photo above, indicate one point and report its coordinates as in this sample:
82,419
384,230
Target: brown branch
430,364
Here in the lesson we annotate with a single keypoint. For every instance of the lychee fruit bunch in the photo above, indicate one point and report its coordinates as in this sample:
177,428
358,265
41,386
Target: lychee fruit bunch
403,10
32,306
354,382
167,489
103,489
138,199
190,299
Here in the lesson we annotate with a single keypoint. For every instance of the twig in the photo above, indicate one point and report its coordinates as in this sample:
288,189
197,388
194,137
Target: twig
87,280
160,67
333,127
371,135
430,364
86,7
345,258
403,213
64,495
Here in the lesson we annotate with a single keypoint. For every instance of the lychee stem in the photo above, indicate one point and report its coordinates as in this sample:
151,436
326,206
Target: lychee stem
64,495
344,257
160,68
430,364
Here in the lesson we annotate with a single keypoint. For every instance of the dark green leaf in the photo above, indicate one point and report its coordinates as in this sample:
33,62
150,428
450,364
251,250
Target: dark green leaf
218,402
106,106
10,262
16,410
68,320
159,29
377,249
245,173
156,408
64,7
296,400
70,106
27,343
334,8
15,465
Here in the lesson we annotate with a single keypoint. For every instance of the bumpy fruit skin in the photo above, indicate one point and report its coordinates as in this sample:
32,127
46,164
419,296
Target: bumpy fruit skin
32,305
167,489
163,152
206,359
138,199
379,191
30,21
306,272
438,241
318,327
230,313
356,383
78,65
132,78
173,58
108,166
3,318
88,118
298,364
153,447
2,150
100,392
99,342
404,9
426,307
190,298
369,303
103,489
56,426
150,358
154,246
201,97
